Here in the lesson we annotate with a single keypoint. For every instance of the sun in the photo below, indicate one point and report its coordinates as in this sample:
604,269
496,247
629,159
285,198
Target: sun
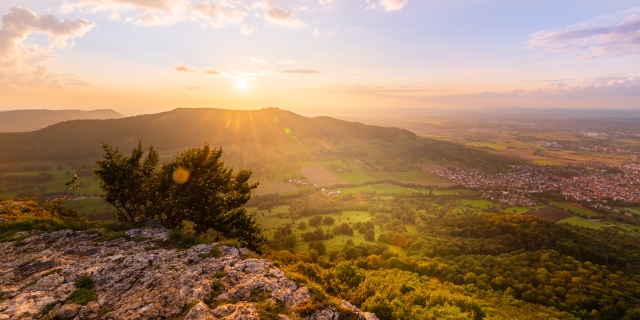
242,83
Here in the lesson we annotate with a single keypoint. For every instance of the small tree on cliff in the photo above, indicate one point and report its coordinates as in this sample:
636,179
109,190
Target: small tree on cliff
127,180
197,186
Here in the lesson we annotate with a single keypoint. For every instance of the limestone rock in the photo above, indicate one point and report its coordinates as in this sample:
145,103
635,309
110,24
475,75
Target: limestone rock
140,280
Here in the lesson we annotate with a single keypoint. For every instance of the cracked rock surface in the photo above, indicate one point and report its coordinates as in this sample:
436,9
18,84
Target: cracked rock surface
135,280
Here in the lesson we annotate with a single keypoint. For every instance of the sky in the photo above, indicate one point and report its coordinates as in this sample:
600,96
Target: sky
319,56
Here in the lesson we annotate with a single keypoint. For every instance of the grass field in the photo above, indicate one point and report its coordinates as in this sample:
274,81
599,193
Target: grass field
577,221
273,187
410,176
575,209
270,221
320,176
356,178
391,188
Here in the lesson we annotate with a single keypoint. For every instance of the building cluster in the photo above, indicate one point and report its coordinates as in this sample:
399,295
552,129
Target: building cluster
515,187
512,198
300,182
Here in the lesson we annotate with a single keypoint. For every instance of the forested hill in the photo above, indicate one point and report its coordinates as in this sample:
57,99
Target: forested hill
32,120
182,128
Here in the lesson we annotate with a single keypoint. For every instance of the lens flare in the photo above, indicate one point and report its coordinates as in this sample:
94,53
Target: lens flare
181,176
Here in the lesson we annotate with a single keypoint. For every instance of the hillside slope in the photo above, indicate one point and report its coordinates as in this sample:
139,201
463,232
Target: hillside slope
32,120
42,275
182,128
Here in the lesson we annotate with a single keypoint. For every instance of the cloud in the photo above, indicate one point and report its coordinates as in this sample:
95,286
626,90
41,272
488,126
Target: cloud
246,29
286,61
282,17
194,87
256,60
218,15
393,5
183,68
607,86
210,71
25,64
595,39
205,71
150,12
163,12
301,71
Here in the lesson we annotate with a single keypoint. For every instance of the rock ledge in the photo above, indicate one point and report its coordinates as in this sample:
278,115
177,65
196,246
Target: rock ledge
139,280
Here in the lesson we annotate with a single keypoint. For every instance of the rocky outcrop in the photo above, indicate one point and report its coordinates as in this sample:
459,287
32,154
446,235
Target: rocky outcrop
45,276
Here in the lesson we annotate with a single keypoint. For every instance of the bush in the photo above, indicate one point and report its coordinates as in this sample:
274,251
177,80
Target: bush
328,220
315,221
196,186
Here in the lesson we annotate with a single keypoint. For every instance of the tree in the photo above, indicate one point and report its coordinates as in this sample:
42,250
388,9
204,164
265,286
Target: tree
319,246
315,221
328,220
370,235
197,186
127,180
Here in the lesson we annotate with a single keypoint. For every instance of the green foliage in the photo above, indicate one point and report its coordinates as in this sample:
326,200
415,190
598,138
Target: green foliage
49,307
268,310
213,253
82,296
196,187
84,282
127,181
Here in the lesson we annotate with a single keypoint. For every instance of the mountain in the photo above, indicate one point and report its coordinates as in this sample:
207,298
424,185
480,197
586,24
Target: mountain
183,128
79,275
32,120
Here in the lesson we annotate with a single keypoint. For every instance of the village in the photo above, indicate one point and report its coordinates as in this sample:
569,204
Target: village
514,187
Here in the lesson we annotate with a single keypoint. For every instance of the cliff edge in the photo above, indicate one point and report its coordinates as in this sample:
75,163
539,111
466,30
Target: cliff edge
81,275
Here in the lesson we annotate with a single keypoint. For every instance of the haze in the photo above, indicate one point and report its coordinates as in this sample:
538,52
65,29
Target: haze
323,56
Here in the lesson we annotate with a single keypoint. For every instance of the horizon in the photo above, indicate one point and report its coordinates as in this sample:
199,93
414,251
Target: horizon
318,57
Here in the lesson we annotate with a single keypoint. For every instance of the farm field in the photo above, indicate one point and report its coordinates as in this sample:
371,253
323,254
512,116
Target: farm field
577,221
549,213
520,144
410,176
274,187
391,188
356,178
519,210
575,209
320,176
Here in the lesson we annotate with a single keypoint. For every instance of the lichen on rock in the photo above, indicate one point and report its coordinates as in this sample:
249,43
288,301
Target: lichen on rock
143,280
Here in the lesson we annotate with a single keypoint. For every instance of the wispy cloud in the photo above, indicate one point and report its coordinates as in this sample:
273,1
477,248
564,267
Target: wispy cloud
205,71
282,17
393,5
301,71
596,39
246,29
218,15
